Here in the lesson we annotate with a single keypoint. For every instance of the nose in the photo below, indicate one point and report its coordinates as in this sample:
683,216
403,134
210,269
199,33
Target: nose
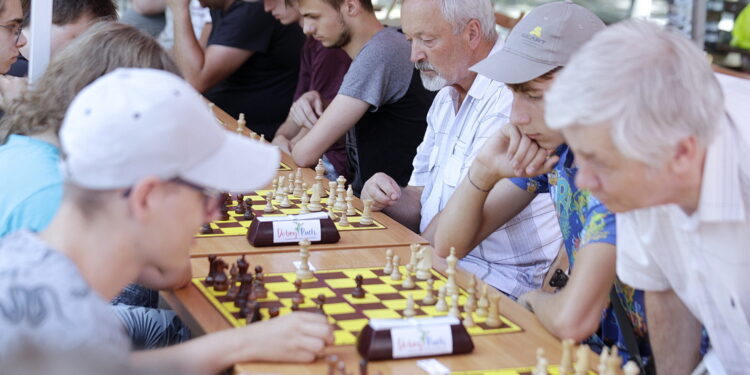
308,28
417,54
518,114
21,41
268,5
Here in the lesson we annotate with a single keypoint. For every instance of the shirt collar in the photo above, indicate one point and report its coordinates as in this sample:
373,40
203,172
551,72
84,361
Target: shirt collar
481,84
721,193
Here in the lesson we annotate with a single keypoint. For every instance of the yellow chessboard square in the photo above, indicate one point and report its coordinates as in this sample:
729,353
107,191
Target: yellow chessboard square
314,292
379,289
344,338
354,325
280,287
366,274
382,314
396,304
338,308
341,283
369,298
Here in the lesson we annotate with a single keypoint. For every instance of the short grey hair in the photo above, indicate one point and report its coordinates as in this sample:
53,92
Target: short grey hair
459,12
654,87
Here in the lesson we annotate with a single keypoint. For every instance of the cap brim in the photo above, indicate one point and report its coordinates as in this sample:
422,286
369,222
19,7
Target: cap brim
240,165
507,67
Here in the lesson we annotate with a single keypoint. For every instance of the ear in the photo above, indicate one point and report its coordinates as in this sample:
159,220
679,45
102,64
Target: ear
473,33
143,198
351,8
686,155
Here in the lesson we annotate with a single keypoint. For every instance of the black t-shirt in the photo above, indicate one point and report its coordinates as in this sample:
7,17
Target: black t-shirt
264,85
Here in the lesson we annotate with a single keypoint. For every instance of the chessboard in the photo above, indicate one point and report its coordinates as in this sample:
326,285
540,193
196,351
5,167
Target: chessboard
236,224
384,298
552,370
283,167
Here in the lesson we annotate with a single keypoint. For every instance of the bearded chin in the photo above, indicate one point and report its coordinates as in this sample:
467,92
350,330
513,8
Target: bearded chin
434,83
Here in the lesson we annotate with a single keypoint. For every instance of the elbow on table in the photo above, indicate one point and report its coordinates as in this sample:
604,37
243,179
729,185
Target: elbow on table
303,159
575,325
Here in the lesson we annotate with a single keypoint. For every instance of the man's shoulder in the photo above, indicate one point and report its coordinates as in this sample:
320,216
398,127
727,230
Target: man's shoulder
387,46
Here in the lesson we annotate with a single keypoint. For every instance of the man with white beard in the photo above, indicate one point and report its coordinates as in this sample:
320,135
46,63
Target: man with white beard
447,38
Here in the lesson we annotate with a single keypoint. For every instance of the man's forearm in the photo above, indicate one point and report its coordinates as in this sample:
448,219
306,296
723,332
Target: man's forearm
407,209
674,332
188,54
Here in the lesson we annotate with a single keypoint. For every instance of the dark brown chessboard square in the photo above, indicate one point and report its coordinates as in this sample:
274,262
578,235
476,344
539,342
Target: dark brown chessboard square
417,311
371,281
285,294
379,272
389,296
370,306
401,288
231,224
350,316
331,275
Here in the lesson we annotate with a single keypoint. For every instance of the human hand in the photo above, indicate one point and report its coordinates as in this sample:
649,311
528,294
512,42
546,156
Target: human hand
307,109
10,89
525,300
295,337
283,143
382,190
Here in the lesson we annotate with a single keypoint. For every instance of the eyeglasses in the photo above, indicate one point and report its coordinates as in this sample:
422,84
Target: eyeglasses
212,198
15,30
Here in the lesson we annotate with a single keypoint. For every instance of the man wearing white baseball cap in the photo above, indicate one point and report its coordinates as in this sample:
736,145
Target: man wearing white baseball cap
144,162
536,49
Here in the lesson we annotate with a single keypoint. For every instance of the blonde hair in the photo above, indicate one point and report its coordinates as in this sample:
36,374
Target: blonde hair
105,47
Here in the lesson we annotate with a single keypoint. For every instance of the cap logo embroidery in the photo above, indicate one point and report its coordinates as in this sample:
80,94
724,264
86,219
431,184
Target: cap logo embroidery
537,32
534,36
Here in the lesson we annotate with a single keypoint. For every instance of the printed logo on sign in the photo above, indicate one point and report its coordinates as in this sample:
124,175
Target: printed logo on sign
294,231
421,341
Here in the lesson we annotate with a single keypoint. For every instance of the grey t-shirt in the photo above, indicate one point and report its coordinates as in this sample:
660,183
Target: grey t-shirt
45,302
381,71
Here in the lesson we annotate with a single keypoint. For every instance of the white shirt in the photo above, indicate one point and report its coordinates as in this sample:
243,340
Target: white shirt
705,257
515,257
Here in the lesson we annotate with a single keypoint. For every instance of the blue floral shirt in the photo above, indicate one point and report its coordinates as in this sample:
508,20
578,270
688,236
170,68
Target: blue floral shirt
584,220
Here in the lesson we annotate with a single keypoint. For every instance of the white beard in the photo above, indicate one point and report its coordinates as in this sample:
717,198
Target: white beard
433,83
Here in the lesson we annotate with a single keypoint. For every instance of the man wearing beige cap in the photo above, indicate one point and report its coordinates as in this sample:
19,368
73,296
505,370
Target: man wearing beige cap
536,49
143,165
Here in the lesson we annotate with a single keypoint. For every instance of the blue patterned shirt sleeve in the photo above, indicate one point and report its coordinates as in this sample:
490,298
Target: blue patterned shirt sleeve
599,222
538,184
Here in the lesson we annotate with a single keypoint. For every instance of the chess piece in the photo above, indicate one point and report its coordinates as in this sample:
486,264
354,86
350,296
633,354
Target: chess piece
451,272
320,301
358,291
424,265
221,283
442,305
429,297
409,310
396,273
298,184
541,363
331,195
280,189
304,198
273,312
303,272
469,318
582,360
366,218
344,222
224,213
285,202
332,215
483,303
241,123
320,172
249,215
613,362
206,229
298,297
566,363
274,186
493,315
211,270
363,366
388,262
295,306
603,356
408,282
332,361
454,311
254,311
239,209
414,248
341,367
631,369
233,287
290,187
340,204
303,209
314,205
471,300
269,203
349,202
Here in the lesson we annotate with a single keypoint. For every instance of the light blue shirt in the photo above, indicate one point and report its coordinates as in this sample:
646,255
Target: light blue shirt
32,184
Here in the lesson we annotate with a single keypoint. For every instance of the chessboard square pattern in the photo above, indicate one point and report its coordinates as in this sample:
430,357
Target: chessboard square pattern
552,370
347,314
236,225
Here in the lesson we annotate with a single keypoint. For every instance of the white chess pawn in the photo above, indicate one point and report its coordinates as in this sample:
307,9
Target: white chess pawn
314,205
396,273
269,205
471,300
388,262
344,222
454,311
483,303
303,272
493,314
451,272
409,310
303,209
331,195
582,360
429,297
541,363
366,218
469,319
350,202
285,202
408,280
442,305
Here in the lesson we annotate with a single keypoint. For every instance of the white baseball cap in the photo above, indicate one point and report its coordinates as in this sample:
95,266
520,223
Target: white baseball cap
134,123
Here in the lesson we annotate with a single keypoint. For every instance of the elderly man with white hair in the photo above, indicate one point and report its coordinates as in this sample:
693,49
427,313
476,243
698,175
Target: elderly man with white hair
447,38
658,139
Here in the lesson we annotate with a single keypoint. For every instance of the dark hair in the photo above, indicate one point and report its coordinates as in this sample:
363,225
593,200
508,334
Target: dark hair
336,4
524,87
69,11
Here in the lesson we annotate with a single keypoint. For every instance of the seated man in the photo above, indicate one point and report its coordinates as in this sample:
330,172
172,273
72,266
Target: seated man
488,196
467,110
11,18
132,202
321,71
69,20
381,105
667,158
251,63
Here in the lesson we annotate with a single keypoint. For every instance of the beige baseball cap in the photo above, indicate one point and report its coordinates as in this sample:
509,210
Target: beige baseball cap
540,42
135,123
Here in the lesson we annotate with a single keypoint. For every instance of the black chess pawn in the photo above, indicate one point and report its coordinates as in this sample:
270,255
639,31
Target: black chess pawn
244,311
358,291
254,311
240,198
206,229
233,288
224,213
260,289
320,301
273,312
221,283
239,209
211,270
249,215
295,306
259,271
